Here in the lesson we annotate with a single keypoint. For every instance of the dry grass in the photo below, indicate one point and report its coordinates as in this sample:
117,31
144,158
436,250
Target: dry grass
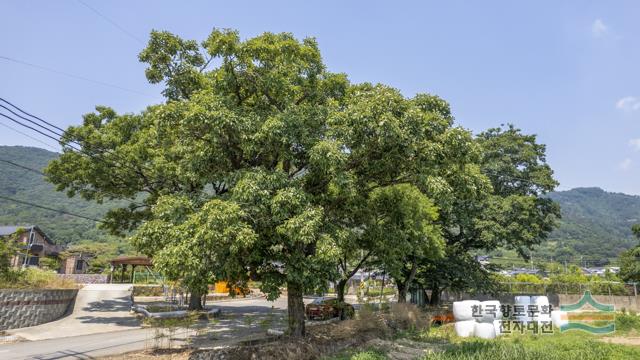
175,354
321,340
34,278
407,317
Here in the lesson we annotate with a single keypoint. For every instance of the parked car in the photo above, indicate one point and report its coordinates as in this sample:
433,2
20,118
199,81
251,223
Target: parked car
327,308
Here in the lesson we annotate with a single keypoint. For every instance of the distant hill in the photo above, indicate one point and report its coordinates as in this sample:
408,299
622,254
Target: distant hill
595,224
29,186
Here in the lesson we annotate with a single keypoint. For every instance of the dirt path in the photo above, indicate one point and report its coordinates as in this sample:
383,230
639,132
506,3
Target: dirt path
635,341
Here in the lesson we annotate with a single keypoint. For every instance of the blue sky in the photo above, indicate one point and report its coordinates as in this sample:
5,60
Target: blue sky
567,71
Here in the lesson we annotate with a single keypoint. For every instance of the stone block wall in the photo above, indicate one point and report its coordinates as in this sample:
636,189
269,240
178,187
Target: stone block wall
21,308
86,278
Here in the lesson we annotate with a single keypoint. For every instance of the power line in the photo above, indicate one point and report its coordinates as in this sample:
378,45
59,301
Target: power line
31,121
81,150
30,127
33,116
77,77
50,209
123,30
68,144
40,132
23,167
58,134
30,137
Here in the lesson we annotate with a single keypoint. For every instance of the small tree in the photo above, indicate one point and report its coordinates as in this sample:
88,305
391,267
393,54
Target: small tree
406,220
49,263
196,245
8,250
630,260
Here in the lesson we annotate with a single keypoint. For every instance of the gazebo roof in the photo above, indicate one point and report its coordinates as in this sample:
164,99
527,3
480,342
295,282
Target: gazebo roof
131,260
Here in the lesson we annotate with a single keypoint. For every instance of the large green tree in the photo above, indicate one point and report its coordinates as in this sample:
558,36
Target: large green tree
379,141
510,210
240,124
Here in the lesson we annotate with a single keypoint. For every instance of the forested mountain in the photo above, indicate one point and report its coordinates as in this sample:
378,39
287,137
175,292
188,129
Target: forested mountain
595,224
26,185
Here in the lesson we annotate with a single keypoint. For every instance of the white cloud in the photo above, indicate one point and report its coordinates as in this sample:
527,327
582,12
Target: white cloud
598,28
628,103
625,164
635,144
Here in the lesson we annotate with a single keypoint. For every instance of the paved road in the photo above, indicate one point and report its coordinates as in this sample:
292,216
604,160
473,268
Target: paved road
77,347
98,308
232,326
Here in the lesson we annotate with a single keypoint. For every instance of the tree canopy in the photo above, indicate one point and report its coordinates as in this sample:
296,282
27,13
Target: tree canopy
263,164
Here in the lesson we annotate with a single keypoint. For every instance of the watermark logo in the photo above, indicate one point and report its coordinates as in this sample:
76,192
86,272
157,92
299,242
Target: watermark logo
601,320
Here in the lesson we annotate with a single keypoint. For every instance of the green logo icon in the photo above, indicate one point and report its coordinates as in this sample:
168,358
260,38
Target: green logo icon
603,314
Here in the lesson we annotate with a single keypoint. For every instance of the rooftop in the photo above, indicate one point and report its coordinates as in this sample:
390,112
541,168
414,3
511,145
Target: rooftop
11,229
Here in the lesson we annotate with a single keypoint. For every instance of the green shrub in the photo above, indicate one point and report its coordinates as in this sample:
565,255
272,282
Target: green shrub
372,354
626,322
148,290
376,291
49,263
368,355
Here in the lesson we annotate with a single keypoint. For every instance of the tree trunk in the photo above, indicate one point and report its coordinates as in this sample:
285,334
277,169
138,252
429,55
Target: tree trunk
384,277
295,307
402,292
340,289
425,296
195,300
403,286
435,296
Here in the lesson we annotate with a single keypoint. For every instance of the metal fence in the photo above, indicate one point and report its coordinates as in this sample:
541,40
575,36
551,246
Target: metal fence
611,288
148,277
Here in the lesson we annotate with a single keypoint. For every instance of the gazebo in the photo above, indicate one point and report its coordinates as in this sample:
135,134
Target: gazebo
124,261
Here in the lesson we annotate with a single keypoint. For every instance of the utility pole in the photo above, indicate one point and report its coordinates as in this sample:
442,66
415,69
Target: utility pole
27,249
531,260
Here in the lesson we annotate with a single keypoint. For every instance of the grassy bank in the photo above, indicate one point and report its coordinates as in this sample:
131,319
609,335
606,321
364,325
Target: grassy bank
572,345
34,278
556,347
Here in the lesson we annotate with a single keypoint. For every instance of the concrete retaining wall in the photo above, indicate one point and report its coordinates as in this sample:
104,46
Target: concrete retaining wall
619,302
22,308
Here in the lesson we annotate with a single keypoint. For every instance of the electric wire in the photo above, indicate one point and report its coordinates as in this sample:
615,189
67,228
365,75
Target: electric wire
50,209
122,29
77,77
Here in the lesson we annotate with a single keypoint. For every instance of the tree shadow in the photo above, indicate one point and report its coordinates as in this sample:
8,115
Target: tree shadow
121,304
